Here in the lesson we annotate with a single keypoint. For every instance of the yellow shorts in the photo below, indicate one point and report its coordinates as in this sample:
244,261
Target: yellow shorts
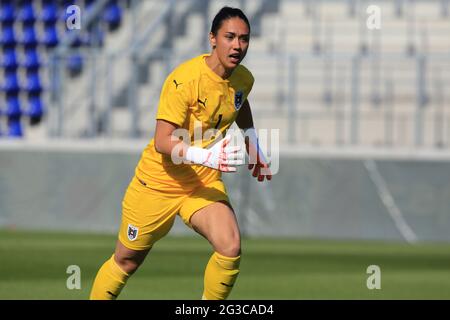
148,215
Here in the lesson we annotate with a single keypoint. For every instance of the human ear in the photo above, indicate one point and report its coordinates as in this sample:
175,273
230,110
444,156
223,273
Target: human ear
212,40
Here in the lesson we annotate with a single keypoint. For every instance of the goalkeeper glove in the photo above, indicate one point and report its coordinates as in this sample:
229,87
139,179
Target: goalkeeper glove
257,160
220,157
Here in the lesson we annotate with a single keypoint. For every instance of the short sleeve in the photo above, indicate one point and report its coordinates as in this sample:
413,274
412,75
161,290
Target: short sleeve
174,101
243,79
251,81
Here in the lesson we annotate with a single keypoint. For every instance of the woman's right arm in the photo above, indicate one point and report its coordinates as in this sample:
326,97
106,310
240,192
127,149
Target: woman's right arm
165,141
220,157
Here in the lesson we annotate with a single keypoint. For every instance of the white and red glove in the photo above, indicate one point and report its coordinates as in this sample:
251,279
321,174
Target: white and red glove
257,159
220,156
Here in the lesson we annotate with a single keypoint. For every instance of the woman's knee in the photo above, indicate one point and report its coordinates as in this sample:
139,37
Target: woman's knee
129,260
127,264
218,224
229,247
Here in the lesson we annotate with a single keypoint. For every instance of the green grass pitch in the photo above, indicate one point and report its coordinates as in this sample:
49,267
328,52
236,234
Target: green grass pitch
33,266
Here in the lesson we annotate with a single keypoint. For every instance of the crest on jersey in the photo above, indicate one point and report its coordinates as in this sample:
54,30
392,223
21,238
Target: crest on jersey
238,100
132,232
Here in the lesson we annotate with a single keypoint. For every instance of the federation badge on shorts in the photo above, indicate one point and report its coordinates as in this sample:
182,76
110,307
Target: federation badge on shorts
132,232
238,100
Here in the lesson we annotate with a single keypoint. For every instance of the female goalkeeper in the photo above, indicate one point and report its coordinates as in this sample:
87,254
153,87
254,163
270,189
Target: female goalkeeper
182,176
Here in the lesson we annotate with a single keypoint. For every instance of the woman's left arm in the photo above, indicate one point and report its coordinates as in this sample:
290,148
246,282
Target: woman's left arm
244,120
257,160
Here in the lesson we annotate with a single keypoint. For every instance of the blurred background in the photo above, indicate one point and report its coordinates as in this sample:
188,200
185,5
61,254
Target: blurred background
363,113
78,107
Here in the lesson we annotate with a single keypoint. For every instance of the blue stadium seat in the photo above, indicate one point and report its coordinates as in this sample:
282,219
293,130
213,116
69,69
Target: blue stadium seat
9,60
26,13
11,85
35,109
33,83
50,38
49,13
29,39
32,60
75,64
7,14
112,15
8,37
15,128
13,109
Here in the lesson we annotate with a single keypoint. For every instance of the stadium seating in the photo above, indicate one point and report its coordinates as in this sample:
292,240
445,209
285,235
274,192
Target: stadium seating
33,83
49,14
112,15
9,60
50,38
8,36
344,76
11,84
26,13
75,64
7,13
29,31
29,39
323,37
15,128
35,109
31,60
13,110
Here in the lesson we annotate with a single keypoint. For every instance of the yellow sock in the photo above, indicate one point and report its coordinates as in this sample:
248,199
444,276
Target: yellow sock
220,274
109,281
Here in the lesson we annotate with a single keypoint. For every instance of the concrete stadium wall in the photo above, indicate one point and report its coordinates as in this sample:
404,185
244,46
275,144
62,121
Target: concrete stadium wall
315,194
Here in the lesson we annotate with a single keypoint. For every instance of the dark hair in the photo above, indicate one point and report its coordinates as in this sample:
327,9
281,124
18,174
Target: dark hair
227,13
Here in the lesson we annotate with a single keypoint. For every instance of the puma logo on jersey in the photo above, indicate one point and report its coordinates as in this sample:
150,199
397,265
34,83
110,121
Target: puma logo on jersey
176,84
202,102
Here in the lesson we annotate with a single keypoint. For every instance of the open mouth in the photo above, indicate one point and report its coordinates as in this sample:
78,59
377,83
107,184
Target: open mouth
235,57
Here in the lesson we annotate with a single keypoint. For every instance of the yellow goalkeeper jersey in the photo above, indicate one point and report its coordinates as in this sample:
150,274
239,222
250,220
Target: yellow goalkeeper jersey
193,97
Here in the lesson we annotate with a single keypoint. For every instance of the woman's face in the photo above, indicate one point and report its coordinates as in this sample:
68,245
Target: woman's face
231,42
